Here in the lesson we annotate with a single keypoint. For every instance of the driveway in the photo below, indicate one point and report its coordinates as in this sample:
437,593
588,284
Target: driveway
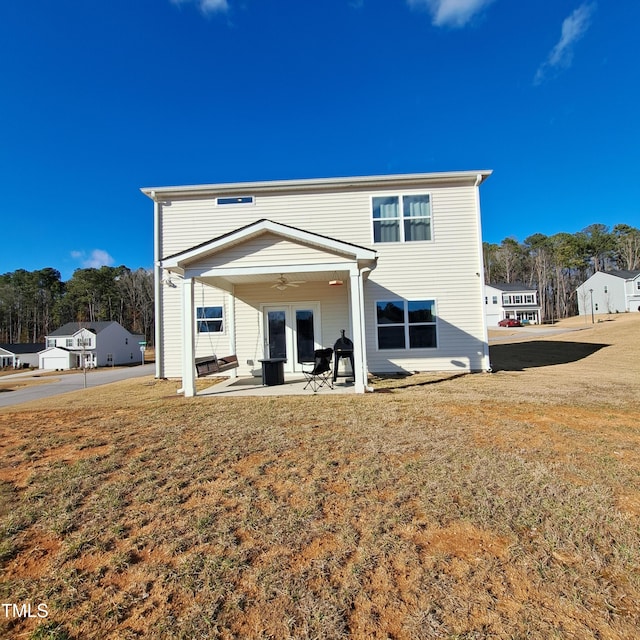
67,382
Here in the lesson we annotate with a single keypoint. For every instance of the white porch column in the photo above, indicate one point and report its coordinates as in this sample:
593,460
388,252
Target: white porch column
231,308
357,315
188,340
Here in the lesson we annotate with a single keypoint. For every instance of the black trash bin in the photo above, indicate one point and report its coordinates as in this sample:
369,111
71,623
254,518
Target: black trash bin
273,371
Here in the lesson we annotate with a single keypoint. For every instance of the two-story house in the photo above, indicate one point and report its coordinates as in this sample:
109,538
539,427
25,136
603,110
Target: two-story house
278,269
90,344
511,300
609,292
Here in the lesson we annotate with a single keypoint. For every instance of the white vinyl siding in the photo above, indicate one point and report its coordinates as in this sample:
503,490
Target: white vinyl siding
621,294
446,269
266,250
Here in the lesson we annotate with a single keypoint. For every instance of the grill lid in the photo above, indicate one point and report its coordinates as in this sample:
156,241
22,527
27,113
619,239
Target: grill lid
343,343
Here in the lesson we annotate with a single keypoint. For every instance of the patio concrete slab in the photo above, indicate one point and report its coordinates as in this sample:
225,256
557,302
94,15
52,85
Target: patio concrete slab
293,386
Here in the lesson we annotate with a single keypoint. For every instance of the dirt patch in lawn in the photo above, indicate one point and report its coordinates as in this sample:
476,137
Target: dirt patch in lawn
478,506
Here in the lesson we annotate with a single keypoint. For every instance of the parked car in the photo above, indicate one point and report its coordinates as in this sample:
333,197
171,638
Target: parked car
509,322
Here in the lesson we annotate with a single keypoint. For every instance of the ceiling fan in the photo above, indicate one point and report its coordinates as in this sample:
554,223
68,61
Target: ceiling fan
282,283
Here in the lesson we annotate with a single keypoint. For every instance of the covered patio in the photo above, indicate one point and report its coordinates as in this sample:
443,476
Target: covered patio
294,385
272,274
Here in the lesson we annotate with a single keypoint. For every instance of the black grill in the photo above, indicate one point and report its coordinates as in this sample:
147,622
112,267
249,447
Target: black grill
343,348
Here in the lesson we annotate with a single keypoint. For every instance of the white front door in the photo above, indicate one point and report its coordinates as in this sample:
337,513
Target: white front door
291,331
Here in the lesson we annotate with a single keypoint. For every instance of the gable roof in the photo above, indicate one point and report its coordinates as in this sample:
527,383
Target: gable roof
511,286
259,227
24,347
71,328
48,349
623,273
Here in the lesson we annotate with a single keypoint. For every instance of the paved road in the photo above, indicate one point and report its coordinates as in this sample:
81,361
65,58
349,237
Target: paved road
68,382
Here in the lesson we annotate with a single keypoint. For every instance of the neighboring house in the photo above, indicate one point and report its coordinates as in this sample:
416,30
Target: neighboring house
609,292
278,269
502,301
20,355
90,344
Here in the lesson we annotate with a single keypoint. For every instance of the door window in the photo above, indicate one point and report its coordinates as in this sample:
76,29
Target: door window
277,340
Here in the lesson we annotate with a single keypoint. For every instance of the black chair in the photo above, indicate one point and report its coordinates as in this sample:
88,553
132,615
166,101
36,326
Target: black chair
320,375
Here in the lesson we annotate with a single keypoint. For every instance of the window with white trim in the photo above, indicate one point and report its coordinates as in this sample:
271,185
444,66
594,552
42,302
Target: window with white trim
406,324
404,218
209,319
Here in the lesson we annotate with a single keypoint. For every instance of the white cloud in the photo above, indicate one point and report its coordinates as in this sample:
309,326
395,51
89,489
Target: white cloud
573,28
96,259
207,6
451,13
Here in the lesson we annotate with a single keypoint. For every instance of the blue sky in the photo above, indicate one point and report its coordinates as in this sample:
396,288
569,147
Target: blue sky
101,98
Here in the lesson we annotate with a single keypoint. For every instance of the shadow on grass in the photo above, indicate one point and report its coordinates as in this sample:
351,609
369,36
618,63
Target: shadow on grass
409,383
519,356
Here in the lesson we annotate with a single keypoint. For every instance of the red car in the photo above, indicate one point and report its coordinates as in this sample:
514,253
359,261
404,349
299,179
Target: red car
509,322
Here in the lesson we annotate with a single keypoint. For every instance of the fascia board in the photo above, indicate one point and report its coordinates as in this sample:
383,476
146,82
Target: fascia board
316,184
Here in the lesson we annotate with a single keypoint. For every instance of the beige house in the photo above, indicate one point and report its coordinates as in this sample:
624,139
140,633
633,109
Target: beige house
269,270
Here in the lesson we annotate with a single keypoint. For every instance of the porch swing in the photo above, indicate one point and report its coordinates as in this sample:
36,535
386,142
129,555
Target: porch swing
207,365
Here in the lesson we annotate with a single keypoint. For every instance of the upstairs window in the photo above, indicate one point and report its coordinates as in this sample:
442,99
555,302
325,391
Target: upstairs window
406,324
209,319
231,200
401,218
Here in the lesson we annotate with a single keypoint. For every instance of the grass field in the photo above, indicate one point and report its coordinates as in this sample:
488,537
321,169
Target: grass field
479,506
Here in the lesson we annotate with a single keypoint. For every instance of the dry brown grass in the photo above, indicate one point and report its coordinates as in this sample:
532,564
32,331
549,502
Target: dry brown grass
481,506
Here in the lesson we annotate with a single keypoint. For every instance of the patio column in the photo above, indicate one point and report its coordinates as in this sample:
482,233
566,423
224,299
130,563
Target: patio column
231,308
357,316
188,340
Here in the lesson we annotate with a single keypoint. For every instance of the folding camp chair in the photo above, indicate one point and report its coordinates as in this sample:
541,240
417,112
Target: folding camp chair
320,375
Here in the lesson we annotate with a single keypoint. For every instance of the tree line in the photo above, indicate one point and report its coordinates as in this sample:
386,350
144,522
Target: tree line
556,265
35,303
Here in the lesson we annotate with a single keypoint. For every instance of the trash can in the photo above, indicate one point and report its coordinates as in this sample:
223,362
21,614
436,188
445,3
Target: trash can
273,371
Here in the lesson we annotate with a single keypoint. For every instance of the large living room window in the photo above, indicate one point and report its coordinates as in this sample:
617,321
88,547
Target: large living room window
209,319
404,218
406,324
